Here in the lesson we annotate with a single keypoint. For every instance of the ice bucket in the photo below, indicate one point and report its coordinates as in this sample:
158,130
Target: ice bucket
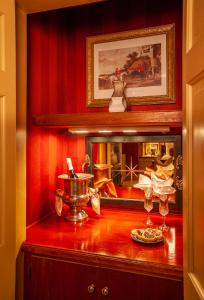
75,194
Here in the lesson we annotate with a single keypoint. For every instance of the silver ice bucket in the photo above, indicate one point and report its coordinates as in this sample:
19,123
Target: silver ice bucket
75,194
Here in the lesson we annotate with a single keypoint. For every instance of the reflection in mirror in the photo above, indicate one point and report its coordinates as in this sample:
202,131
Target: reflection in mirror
118,161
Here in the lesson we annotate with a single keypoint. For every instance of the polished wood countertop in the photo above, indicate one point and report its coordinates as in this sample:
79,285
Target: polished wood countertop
105,240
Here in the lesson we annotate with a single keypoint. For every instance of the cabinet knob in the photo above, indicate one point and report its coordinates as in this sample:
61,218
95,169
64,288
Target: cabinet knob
91,288
105,291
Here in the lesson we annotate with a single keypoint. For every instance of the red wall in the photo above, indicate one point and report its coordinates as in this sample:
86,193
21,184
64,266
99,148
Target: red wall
57,81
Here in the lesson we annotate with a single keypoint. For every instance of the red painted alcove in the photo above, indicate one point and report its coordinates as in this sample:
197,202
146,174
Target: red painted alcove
57,81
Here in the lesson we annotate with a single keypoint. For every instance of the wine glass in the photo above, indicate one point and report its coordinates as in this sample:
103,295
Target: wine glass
164,193
148,204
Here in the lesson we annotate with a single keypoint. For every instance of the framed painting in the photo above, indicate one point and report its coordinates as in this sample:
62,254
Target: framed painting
144,59
151,149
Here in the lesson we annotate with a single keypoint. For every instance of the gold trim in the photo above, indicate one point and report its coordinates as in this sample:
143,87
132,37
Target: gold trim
169,30
178,179
179,161
179,183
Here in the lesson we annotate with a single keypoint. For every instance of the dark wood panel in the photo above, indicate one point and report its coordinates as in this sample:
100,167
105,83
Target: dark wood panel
53,279
50,279
124,119
132,286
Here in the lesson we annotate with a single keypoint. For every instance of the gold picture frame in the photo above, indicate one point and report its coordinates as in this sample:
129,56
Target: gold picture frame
143,58
150,149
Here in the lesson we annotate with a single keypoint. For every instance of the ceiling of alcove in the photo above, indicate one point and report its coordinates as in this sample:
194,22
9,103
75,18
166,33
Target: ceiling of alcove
31,6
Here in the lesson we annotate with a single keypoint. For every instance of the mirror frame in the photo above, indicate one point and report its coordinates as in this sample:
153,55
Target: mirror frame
176,139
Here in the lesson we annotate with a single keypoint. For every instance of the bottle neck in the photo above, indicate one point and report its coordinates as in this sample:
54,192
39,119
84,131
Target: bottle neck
72,174
69,164
71,169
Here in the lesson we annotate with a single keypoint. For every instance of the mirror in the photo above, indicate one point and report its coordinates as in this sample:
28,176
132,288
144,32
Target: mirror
117,161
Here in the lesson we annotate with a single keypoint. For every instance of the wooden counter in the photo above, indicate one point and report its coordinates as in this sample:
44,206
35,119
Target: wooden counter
104,243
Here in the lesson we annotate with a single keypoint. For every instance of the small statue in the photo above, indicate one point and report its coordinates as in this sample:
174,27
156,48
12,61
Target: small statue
118,102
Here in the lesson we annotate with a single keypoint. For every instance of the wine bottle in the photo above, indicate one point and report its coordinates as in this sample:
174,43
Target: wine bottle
72,174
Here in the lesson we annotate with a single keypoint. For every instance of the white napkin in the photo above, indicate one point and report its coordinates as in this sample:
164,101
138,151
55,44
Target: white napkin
144,179
95,200
58,202
159,183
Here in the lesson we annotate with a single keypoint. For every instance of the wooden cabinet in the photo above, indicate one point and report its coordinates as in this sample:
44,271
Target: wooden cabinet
98,259
51,279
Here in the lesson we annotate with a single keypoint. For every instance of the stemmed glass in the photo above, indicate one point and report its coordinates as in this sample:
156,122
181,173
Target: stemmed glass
164,193
148,204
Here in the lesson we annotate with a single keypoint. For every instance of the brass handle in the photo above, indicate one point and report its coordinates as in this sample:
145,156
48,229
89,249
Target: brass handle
105,291
91,288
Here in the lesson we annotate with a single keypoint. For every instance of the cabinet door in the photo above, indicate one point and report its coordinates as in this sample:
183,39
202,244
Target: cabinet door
50,279
122,285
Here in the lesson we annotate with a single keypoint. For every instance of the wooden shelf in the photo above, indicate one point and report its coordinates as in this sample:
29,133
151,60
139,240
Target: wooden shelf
172,119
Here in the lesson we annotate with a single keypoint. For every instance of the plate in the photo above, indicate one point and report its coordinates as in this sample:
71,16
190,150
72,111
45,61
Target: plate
135,238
